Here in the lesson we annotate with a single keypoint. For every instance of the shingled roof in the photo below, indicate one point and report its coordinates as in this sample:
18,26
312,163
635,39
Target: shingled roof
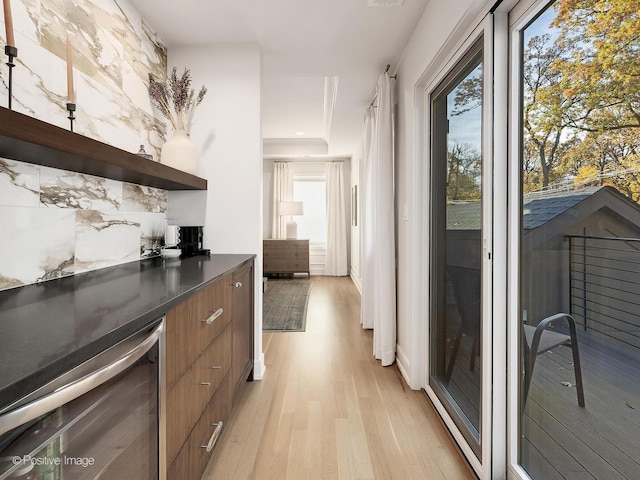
538,209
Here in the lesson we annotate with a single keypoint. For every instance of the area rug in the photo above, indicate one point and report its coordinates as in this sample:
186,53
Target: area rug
284,305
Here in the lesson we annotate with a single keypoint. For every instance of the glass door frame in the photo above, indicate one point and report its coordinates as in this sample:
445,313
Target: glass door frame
492,460
439,243
519,17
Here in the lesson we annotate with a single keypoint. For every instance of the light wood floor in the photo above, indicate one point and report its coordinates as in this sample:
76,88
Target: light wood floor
326,409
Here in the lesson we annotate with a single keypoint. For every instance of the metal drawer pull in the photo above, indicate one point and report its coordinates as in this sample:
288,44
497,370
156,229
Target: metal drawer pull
214,438
216,367
206,384
236,284
213,316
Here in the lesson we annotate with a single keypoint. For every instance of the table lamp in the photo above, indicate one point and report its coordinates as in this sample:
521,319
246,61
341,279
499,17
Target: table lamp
290,209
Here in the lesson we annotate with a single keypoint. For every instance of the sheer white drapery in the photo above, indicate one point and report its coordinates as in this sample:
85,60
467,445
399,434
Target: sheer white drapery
366,220
336,263
378,227
282,192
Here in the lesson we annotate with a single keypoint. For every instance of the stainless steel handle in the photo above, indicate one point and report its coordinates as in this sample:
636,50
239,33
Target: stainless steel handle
216,367
206,384
213,316
236,284
78,387
214,438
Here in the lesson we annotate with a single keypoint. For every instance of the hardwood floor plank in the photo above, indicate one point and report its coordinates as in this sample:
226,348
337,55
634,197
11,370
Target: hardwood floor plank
327,410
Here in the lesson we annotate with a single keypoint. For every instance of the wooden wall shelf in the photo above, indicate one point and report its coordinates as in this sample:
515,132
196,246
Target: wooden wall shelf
27,139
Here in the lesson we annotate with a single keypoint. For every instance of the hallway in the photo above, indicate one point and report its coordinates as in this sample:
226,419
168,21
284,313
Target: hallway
326,409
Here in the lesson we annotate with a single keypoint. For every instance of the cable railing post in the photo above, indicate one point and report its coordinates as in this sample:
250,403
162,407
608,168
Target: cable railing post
584,277
571,312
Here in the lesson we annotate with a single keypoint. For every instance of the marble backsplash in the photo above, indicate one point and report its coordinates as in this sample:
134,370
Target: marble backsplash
53,222
113,50
57,223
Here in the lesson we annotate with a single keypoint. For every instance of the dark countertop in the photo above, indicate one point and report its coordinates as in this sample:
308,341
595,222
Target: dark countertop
49,328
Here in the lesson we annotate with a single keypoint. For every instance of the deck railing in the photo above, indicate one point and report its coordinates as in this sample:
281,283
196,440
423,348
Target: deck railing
604,284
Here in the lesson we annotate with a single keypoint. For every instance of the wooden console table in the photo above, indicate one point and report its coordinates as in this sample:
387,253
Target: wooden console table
285,256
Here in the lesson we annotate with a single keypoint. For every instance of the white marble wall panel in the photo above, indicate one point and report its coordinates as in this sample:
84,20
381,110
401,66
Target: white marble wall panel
113,54
63,222
57,222
104,240
19,184
138,198
62,189
37,244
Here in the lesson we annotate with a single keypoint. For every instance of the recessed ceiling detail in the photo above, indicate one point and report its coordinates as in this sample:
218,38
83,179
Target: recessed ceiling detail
385,3
330,94
305,46
294,146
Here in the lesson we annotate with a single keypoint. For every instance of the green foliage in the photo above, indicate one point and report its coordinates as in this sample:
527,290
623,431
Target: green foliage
581,110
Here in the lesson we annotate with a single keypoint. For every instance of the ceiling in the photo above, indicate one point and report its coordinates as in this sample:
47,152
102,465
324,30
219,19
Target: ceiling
321,59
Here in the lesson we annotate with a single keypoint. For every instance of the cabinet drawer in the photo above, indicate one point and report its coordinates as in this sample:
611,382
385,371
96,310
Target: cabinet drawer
189,396
193,458
192,325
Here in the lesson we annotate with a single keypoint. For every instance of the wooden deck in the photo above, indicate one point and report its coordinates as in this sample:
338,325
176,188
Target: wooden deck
464,385
601,441
560,439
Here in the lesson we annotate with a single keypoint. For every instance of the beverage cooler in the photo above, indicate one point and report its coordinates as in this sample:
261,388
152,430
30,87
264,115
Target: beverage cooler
103,419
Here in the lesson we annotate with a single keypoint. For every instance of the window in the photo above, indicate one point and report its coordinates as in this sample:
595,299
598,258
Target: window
311,191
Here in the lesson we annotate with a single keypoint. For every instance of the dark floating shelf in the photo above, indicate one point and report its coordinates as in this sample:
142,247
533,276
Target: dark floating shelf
27,139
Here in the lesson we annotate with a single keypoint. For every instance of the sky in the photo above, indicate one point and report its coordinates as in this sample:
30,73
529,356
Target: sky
465,128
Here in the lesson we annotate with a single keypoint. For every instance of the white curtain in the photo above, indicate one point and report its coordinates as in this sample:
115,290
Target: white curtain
282,192
378,227
336,263
366,219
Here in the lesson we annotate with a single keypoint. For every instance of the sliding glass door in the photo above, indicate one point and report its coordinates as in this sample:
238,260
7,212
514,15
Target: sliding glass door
457,187
575,248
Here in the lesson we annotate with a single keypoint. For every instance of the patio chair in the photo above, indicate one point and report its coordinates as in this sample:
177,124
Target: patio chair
540,340
465,283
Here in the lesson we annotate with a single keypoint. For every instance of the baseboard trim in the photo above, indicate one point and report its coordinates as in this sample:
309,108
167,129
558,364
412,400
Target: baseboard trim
259,368
404,365
356,281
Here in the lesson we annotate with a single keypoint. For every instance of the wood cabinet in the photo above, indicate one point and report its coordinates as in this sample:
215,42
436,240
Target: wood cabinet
242,309
209,357
285,256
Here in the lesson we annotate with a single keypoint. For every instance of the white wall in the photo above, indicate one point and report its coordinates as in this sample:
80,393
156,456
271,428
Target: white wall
442,25
227,129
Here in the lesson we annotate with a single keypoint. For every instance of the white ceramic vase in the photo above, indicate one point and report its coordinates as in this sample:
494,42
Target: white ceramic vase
179,152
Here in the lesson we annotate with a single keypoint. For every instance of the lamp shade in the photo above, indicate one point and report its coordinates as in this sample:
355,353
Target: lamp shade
290,208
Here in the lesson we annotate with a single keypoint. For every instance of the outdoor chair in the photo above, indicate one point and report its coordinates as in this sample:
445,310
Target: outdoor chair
465,283
540,340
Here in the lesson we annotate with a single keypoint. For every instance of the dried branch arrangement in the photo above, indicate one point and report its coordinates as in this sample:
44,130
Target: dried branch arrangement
175,99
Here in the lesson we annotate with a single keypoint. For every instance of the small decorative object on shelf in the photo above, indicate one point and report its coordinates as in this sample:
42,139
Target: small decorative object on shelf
11,52
10,48
144,154
71,107
177,102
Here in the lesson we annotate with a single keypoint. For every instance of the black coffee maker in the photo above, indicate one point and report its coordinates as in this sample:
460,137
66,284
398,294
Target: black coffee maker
191,241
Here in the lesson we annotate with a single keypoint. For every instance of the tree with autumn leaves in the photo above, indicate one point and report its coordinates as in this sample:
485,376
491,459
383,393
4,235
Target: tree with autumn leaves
581,112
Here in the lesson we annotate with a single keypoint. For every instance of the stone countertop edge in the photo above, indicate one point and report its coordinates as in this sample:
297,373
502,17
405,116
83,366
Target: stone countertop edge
49,328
